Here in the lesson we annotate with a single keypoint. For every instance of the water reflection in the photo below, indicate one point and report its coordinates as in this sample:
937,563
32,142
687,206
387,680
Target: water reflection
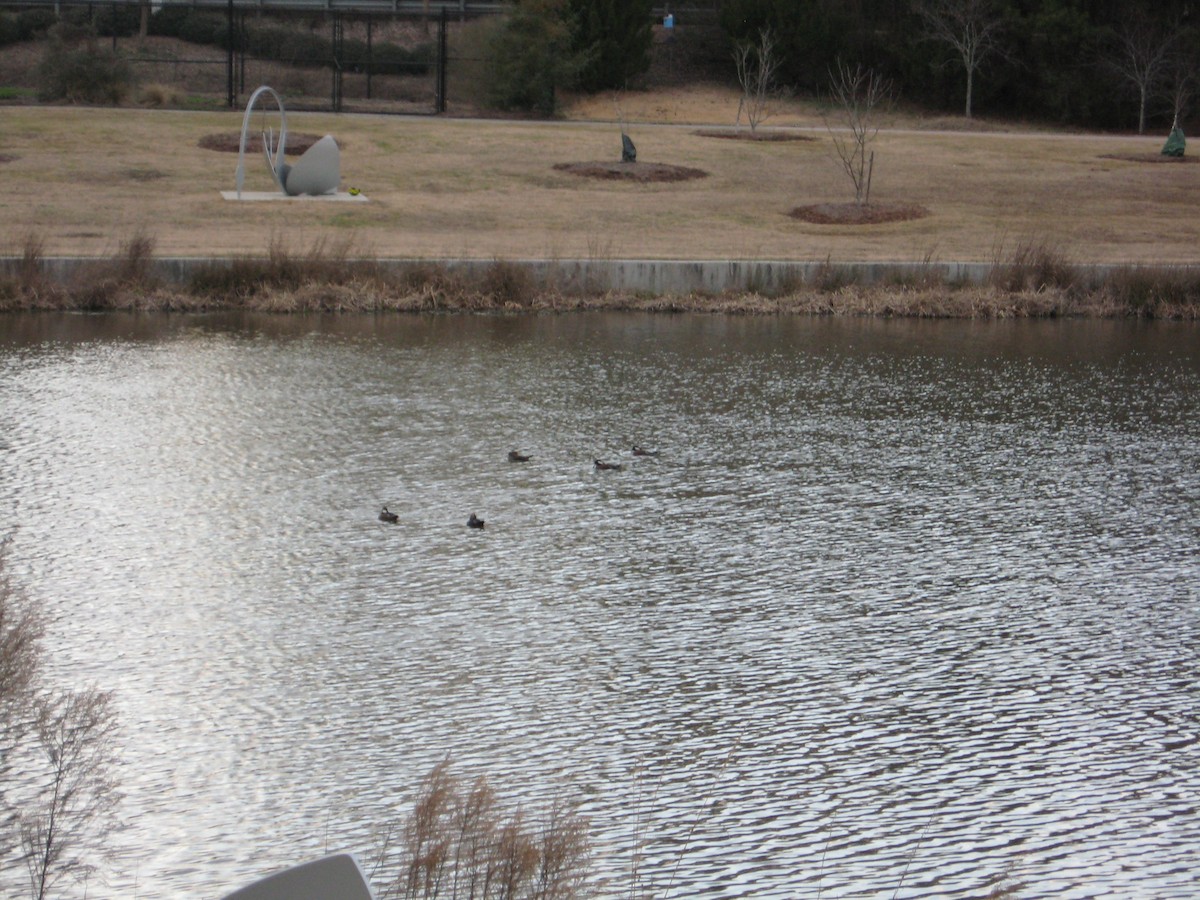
899,602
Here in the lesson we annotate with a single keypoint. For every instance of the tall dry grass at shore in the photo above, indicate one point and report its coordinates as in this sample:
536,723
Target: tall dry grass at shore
1032,281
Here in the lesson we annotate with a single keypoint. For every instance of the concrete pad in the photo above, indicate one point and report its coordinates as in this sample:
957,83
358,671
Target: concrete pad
280,195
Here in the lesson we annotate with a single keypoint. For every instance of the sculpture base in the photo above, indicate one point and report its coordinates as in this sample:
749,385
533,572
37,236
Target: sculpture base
340,197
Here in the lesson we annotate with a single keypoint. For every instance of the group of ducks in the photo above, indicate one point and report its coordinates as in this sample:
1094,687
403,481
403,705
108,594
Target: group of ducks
517,457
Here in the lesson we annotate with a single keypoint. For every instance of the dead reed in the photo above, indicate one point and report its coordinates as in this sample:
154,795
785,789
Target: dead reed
1032,280
458,842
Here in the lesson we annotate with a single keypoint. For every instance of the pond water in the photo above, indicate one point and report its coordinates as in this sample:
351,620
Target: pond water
900,609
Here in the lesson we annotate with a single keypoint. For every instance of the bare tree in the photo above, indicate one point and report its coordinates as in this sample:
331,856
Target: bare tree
20,636
756,67
21,629
1183,80
973,28
1143,58
858,94
57,789
68,824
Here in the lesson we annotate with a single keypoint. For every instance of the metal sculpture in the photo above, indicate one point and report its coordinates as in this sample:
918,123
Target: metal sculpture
317,171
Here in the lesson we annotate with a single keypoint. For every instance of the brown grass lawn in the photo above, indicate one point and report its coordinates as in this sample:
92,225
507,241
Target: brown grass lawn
85,181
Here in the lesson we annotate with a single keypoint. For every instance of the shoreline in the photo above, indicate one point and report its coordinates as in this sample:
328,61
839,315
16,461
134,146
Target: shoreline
1033,283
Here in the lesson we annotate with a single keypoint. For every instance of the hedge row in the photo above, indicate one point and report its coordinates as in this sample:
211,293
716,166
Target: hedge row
25,25
293,46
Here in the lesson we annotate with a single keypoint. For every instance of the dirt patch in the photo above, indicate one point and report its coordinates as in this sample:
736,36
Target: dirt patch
856,214
1150,158
230,142
767,137
642,173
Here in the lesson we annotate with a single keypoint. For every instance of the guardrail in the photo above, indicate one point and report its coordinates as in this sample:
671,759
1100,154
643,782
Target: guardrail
432,8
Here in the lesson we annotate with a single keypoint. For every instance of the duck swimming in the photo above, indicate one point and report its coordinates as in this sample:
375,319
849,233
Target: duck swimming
642,451
607,467
385,516
474,521
514,456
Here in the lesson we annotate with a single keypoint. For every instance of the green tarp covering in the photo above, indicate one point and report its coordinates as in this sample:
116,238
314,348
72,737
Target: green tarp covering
1175,143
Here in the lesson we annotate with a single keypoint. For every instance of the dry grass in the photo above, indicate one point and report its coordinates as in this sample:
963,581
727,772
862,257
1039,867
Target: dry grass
489,190
1031,281
459,842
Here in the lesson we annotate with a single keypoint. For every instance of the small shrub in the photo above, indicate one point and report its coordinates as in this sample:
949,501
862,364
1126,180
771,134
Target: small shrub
10,30
202,28
530,58
77,69
1033,266
1155,291
507,283
120,21
387,59
32,23
829,277
167,21
159,95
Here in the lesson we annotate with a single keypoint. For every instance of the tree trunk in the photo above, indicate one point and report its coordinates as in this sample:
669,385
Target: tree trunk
970,86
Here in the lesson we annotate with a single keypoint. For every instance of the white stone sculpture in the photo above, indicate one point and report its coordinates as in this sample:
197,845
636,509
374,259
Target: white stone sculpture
317,171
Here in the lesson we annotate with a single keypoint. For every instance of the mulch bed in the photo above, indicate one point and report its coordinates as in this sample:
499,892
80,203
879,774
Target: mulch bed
855,214
755,136
640,172
229,142
1150,158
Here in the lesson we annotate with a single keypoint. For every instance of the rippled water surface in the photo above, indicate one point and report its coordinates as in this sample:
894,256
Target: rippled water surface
899,605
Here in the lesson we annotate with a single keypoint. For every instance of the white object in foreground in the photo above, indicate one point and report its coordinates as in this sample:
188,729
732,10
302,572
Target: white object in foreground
337,877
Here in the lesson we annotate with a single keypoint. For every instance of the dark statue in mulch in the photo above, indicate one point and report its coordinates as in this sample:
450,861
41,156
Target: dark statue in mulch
858,213
640,172
297,142
628,151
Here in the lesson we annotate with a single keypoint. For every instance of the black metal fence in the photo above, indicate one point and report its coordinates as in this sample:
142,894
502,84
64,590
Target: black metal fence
328,55
397,56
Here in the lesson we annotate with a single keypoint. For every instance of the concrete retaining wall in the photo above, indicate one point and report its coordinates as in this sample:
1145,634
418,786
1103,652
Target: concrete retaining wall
656,277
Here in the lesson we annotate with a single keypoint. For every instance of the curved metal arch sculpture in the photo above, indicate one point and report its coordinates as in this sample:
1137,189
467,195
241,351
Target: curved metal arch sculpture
317,171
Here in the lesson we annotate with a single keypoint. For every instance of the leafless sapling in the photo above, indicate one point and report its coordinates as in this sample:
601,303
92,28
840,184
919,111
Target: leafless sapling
757,64
857,94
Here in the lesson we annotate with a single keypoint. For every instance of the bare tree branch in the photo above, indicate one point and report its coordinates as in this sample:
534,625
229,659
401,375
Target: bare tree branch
756,67
857,93
973,28
1143,58
68,824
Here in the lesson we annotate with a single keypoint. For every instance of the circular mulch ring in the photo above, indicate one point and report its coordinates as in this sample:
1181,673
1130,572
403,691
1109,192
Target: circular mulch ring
856,214
229,142
1150,158
766,137
642,173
